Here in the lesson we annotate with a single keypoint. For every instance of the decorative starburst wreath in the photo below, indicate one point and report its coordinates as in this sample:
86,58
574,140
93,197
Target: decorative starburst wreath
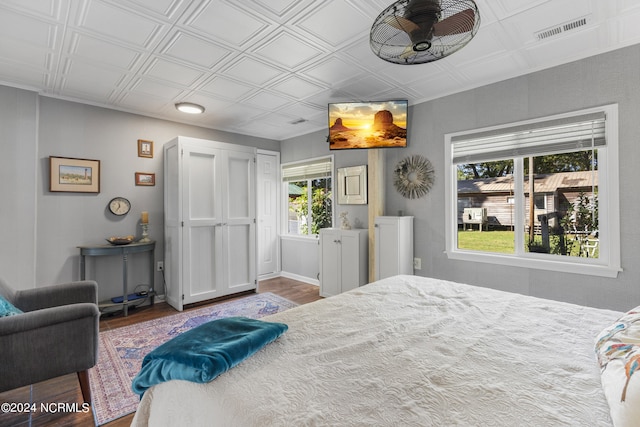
413,176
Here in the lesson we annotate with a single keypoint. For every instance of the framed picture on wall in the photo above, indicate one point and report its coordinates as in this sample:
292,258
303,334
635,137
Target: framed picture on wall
145,148
144,178
67,174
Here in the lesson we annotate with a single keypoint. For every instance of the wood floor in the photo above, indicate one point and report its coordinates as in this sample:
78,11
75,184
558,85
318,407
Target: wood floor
67,390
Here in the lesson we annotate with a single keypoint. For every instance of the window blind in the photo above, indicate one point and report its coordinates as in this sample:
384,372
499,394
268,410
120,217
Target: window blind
545,137
315,169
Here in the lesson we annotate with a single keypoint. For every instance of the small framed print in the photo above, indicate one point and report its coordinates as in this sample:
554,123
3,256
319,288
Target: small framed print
144,178
67,174
145,148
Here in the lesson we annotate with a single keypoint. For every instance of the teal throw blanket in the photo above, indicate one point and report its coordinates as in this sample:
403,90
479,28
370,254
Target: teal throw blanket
204,352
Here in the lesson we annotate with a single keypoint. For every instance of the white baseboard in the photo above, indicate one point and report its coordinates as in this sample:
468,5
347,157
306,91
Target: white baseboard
299,278
269,276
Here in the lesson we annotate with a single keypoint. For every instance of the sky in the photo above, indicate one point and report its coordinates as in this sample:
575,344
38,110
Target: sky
359,115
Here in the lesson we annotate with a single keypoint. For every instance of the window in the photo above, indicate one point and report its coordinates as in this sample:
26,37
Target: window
308,186
549,188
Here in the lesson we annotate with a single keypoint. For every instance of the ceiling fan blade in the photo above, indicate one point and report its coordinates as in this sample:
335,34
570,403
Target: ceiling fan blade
402,24
461,22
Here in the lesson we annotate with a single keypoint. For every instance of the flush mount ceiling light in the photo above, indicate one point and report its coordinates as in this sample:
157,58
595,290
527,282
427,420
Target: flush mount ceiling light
188,107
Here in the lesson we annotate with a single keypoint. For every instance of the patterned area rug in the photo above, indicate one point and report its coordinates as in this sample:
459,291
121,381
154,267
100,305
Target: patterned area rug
122,349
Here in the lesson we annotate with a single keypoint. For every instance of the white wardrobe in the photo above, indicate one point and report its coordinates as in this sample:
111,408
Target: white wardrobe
210,220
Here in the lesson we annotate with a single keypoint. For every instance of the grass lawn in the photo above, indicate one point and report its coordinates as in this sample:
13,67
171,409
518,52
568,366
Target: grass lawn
487,241
503,242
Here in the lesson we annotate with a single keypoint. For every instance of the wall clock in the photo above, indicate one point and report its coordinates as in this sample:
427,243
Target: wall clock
119,206
413,176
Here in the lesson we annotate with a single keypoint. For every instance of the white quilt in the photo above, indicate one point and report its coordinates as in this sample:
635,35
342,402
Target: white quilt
407,351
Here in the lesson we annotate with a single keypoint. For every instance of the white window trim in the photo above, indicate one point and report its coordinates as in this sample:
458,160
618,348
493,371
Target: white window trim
607,265
285,199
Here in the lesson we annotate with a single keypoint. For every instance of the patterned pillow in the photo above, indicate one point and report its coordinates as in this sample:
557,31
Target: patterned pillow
618,351
8,309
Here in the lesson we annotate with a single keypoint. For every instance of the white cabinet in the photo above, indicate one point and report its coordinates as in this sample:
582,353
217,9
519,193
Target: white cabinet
343,260
394,246
210,229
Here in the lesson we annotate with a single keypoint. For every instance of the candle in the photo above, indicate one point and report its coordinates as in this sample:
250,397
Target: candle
145,217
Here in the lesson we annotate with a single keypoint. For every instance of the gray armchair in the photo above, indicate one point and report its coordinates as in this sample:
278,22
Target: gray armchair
56,335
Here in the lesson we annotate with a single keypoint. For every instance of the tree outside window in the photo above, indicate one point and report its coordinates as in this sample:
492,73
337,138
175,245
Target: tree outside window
311,194
309,197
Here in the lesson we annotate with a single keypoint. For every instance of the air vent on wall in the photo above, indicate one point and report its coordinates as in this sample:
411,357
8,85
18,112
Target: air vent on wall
563,28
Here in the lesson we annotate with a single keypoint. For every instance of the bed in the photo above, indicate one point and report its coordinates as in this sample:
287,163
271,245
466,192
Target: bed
408,351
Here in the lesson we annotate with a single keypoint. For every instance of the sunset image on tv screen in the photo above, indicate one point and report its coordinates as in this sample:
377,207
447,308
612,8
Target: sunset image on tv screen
368,124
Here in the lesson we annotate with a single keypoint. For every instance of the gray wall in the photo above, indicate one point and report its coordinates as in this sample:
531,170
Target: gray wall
300,259
52,127
18,160
40,230
604,79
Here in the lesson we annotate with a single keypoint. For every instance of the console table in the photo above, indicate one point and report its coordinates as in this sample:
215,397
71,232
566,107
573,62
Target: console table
124,251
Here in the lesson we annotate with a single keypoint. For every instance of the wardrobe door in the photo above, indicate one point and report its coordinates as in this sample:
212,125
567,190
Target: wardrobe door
394,246
172,225
351,258
203,217
239,228
330,262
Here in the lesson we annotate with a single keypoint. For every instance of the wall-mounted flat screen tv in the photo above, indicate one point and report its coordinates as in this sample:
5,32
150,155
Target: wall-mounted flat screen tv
368,124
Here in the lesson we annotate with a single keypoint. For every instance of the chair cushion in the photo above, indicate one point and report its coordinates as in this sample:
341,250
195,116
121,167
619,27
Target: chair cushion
8,309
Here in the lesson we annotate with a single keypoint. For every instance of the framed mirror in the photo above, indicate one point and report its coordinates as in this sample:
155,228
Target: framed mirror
352,185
